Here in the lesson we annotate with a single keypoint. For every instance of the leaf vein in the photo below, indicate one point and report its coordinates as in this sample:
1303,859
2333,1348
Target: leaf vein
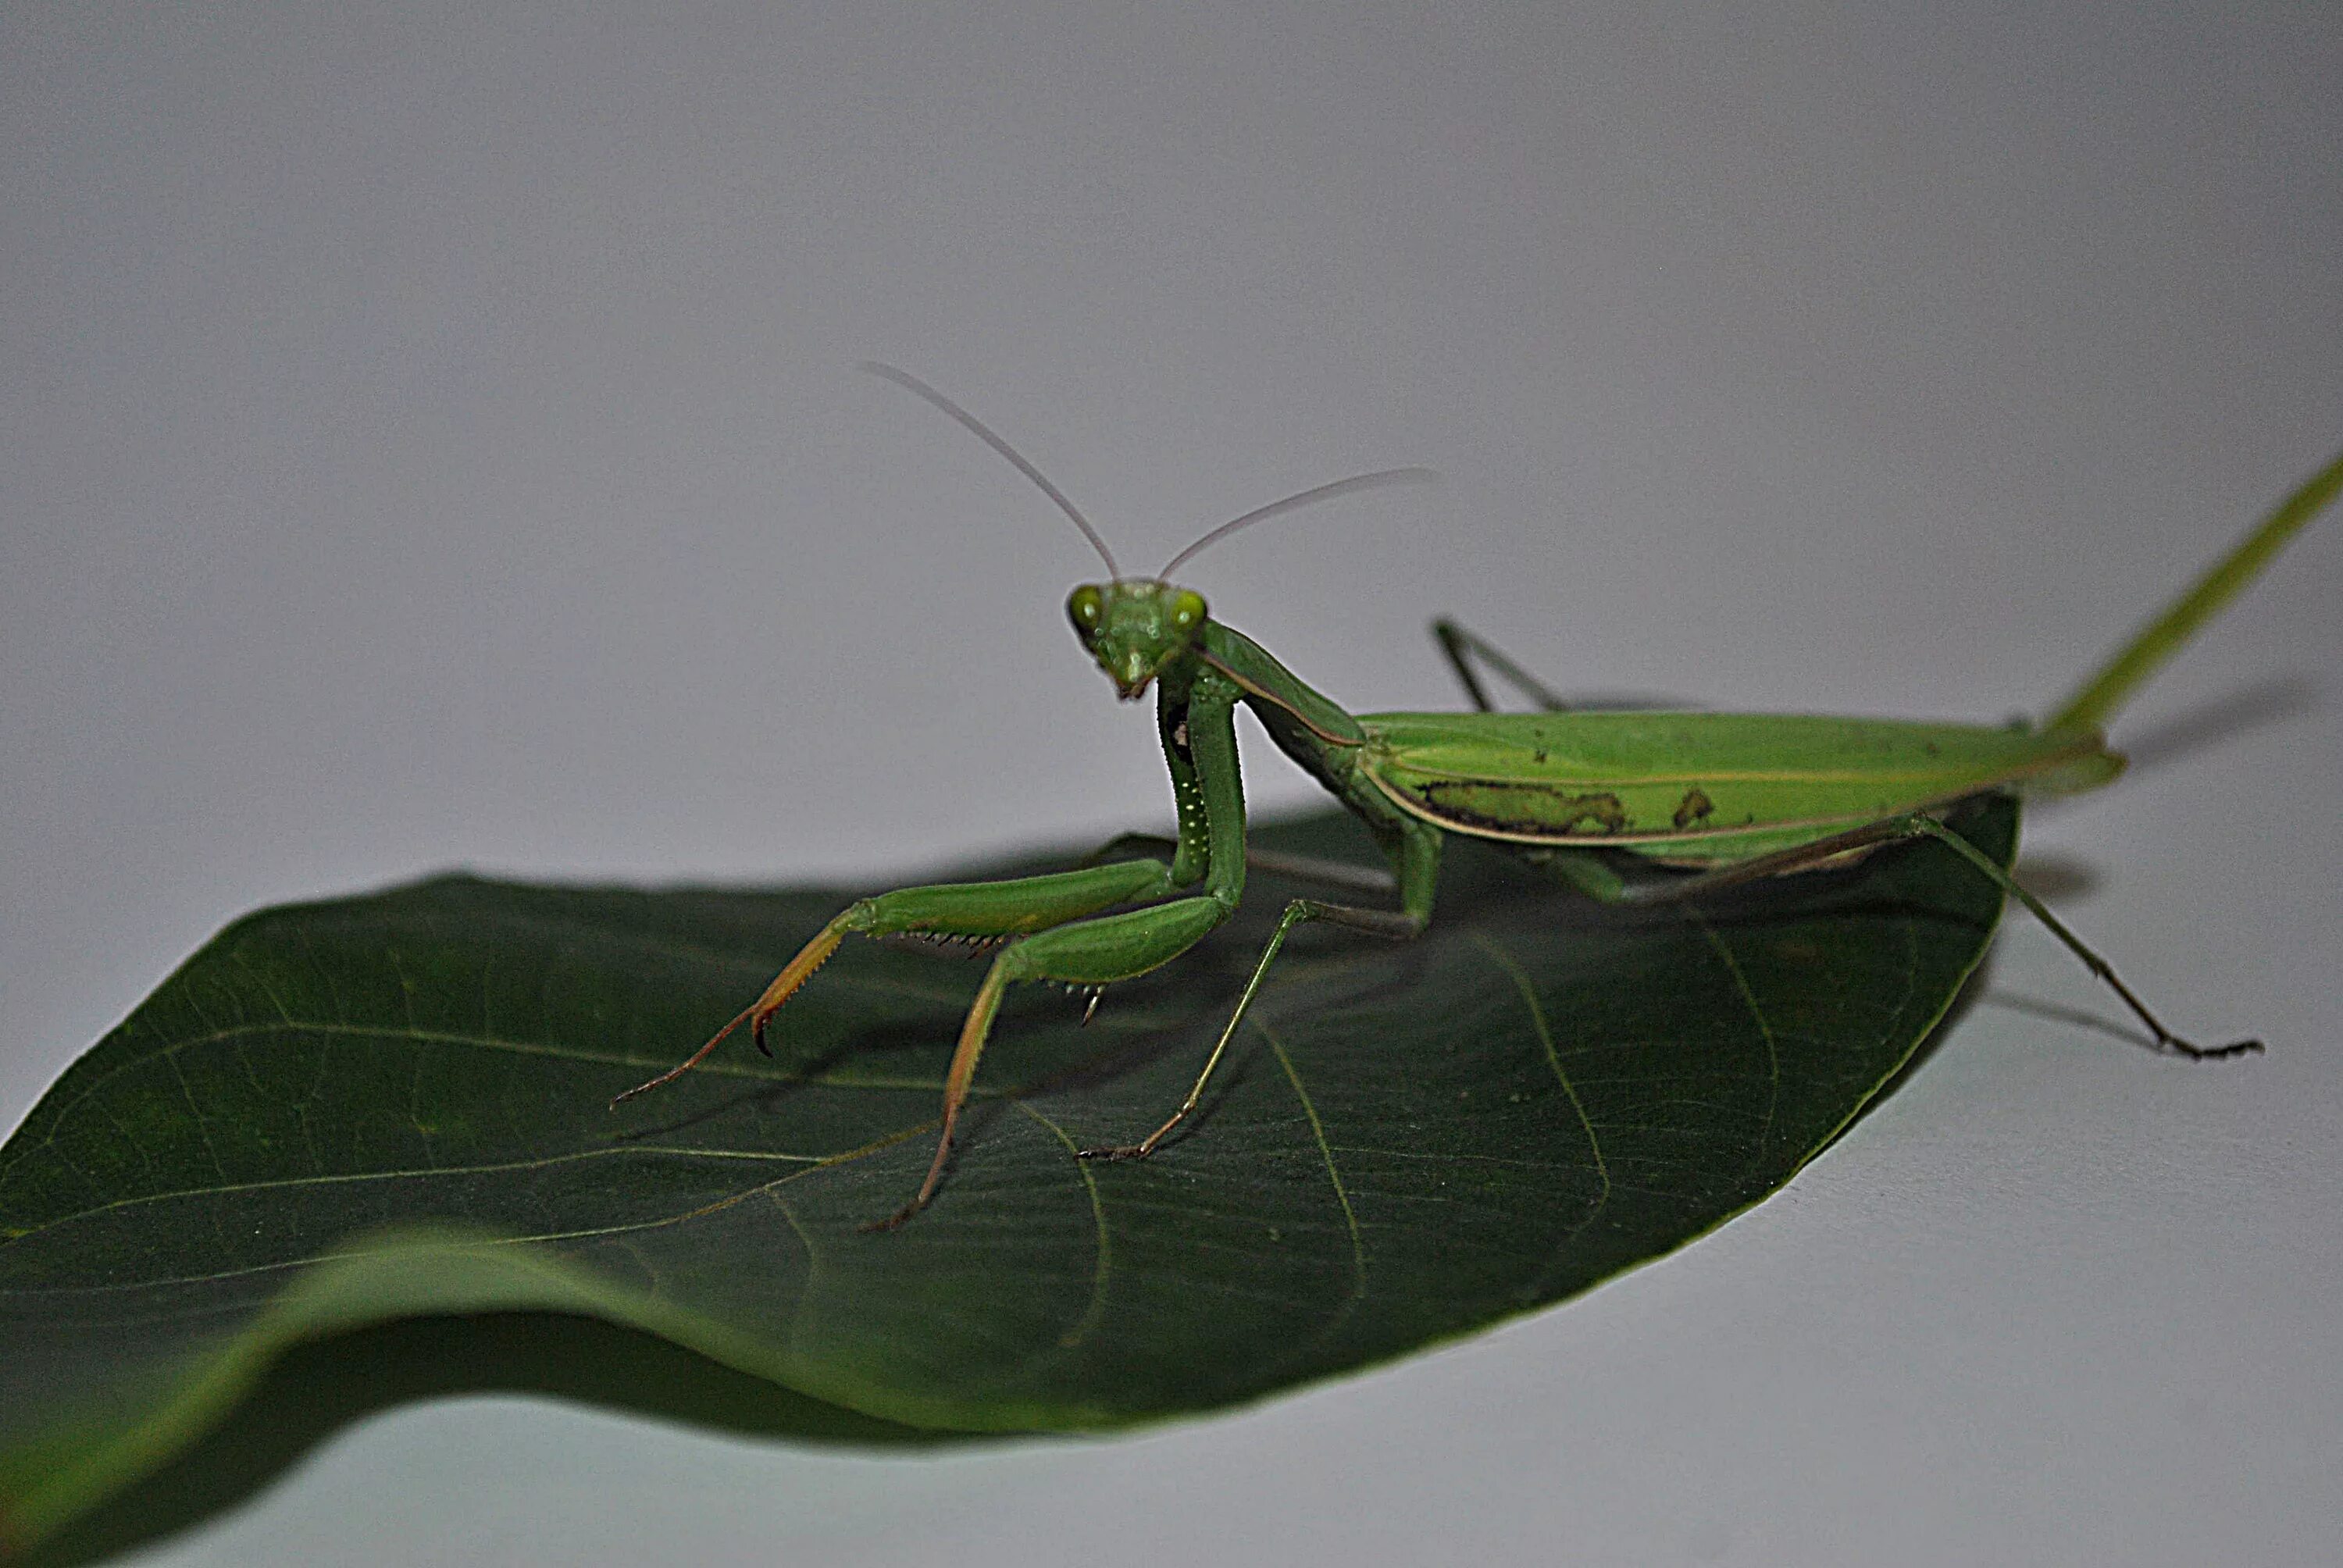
1333,1170
1756,1016
357,1177
1093,1309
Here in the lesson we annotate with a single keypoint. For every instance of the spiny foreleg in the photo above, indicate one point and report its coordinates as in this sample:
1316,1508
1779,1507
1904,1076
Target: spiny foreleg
1017,906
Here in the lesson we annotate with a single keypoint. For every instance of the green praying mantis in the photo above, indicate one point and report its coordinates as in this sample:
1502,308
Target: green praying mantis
1594,796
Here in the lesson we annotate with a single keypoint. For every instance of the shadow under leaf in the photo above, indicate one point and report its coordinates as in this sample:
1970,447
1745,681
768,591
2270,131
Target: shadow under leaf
320,1389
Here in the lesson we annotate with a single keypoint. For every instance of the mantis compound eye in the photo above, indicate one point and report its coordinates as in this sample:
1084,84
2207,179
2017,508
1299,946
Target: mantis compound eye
1188,610
1083,608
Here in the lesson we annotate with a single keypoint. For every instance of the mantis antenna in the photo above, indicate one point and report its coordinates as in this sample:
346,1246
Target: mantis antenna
1315,494
984,433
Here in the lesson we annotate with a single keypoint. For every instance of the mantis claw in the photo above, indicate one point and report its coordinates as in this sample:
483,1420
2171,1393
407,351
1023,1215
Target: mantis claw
2215,1053
810,957
893,1221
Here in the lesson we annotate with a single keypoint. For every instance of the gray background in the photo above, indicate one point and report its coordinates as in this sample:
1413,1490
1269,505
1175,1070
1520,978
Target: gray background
430,439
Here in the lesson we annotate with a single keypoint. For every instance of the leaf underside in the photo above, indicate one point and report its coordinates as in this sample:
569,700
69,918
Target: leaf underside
339,1114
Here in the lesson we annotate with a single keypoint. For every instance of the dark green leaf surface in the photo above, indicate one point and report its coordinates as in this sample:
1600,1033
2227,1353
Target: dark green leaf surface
338,1114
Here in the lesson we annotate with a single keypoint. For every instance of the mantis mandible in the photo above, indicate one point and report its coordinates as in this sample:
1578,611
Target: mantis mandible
1722,798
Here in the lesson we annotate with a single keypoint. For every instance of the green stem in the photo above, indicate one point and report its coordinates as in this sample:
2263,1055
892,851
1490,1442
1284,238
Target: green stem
2163,636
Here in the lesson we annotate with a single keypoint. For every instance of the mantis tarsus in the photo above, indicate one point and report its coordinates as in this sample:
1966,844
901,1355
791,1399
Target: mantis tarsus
1723,797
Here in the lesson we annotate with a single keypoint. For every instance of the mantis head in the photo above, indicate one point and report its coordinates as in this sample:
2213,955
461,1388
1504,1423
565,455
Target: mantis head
1134,626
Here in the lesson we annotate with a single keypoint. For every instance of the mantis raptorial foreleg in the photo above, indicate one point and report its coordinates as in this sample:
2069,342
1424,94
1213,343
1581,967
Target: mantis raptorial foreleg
1005,909
1199,745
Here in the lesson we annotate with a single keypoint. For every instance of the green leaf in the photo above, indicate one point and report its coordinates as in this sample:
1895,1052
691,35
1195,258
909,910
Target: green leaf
344,1113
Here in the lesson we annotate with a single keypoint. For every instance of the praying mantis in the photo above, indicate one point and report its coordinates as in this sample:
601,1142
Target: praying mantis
1702,800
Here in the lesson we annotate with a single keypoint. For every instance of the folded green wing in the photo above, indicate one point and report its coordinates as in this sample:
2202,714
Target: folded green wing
1702,787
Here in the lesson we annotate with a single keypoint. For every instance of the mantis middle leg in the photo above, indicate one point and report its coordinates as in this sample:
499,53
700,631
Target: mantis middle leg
1417,861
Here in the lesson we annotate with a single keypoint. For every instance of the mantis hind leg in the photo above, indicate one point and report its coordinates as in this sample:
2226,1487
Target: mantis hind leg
2099,966
1860,840
1462,648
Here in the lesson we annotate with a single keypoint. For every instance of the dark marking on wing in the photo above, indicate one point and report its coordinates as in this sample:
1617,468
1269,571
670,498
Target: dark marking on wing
1544,808
1695,807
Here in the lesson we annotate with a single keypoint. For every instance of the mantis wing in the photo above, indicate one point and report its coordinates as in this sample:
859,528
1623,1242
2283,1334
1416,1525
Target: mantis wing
1703,788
